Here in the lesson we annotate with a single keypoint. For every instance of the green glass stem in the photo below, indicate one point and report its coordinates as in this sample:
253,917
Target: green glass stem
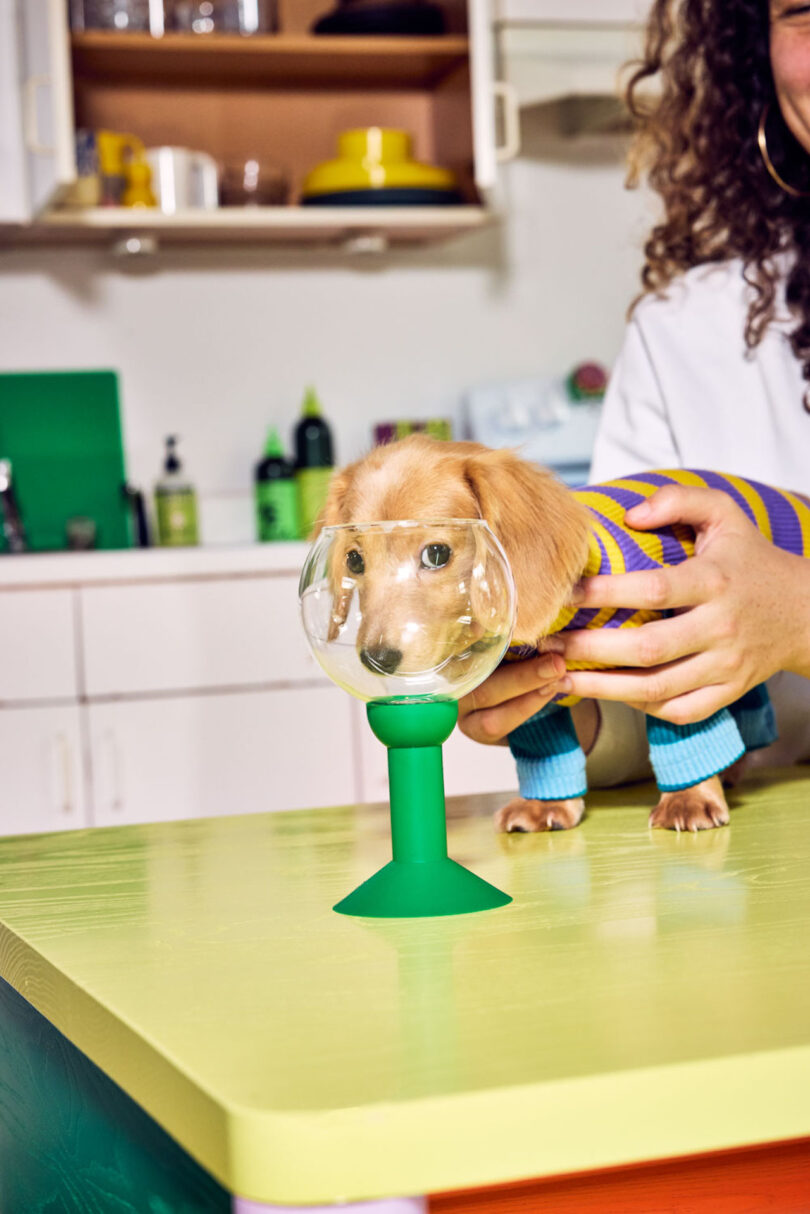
420,880
418,823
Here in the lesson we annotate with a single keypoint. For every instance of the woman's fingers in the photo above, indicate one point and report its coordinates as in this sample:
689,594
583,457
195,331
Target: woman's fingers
512,679
492,725
512,694
684,585
694,706
653,644
657,686
699,508
672,586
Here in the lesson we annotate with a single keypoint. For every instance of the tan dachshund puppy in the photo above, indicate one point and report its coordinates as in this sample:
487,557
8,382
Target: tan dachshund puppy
545,532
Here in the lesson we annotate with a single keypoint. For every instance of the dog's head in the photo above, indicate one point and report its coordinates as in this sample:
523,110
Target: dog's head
541,527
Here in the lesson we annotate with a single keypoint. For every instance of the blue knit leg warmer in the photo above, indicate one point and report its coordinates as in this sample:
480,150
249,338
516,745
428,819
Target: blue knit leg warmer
682,755
550,762
754,717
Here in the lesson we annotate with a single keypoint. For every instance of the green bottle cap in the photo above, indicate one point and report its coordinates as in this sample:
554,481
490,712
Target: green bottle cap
311,406
273,444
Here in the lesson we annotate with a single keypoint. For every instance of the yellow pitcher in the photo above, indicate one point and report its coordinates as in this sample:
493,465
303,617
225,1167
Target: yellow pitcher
113,149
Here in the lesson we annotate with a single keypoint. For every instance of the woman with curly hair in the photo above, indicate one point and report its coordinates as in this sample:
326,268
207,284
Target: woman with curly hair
714,373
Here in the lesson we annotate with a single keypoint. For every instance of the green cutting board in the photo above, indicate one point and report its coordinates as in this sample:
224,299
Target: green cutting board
62,432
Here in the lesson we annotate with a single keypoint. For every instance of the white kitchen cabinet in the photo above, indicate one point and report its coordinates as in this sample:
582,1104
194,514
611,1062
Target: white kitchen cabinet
175,636
148,686
37,645
41,770
558,50
37,157
14,203
211,93
200,756
572,12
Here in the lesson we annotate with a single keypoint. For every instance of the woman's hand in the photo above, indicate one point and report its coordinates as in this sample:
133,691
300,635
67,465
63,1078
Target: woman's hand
512,693
742,613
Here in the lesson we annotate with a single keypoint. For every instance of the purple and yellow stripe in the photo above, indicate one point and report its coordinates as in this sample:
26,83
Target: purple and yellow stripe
781,516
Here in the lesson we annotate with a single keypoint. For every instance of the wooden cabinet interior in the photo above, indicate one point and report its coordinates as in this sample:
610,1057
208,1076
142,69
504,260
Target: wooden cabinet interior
297,16
281,98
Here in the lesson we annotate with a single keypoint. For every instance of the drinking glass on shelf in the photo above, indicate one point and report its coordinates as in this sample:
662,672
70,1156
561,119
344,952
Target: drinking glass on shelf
183,179
130,16
251,182
223,16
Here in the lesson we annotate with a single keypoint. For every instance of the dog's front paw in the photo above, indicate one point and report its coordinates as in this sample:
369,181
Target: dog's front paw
701,807
529,816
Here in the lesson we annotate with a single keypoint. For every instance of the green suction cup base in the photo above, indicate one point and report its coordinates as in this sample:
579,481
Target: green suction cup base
415,891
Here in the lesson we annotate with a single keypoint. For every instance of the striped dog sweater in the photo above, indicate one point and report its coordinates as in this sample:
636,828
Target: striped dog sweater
549,760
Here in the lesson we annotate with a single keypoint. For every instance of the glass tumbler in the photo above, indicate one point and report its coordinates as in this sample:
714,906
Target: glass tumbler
123,15
223,16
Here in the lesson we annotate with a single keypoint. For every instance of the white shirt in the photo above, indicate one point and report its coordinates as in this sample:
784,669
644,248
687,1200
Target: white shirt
686,393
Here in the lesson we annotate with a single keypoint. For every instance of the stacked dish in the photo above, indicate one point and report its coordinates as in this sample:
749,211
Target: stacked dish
374,167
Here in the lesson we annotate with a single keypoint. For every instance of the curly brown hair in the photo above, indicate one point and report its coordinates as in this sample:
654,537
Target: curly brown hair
696,144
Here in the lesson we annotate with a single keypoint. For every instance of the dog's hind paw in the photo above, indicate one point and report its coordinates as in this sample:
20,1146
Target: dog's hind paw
701,807
525,817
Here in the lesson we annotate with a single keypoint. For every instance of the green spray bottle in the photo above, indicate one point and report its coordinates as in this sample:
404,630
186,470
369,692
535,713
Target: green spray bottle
276,494
314,463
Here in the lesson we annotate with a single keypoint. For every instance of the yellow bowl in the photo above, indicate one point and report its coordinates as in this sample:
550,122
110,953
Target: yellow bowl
375,158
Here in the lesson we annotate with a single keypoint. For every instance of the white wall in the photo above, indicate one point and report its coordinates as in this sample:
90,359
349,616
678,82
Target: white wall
213,344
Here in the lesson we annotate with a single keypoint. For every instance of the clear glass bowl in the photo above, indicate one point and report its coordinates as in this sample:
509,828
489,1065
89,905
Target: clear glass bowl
408,609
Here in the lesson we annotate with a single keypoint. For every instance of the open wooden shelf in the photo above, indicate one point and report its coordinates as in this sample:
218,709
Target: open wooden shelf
283,99
336,227
276,60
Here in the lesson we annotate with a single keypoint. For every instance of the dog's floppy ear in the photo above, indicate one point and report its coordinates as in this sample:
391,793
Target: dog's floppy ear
542,527
334,508
333,513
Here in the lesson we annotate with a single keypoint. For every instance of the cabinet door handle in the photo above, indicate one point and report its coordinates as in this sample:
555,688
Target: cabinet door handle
62,766
506,93
31,116
114,766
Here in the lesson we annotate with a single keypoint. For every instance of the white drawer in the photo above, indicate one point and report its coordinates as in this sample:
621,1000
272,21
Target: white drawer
42,762
37,645
199,756
195,634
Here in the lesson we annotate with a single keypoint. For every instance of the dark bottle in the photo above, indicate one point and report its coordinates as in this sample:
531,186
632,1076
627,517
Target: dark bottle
276,498
12,528
314,461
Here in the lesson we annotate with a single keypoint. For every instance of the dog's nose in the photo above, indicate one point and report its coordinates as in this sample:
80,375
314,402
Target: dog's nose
381,659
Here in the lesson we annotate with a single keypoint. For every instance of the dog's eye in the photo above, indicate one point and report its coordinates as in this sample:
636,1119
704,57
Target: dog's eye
435,556
354,562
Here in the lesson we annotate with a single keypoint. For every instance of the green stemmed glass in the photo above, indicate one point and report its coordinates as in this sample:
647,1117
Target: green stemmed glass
410,616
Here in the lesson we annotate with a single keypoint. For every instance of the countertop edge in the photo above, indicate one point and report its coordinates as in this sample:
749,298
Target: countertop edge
491,1137
48,570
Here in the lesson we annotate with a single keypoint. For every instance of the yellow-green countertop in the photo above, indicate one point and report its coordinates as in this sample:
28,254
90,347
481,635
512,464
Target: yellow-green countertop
645,995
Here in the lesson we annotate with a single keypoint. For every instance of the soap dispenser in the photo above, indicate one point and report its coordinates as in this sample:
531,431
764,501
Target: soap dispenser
175,503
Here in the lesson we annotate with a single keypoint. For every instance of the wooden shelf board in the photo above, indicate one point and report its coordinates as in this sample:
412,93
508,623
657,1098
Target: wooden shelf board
271,60
274,225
